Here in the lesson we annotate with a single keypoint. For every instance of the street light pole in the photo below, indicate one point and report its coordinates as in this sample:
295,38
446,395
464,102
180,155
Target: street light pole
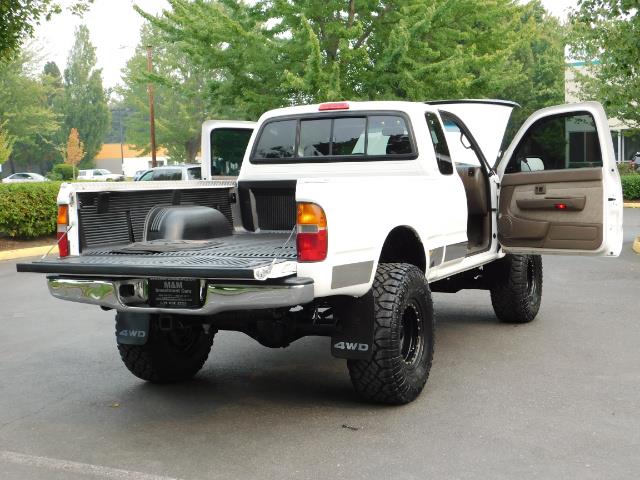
152,121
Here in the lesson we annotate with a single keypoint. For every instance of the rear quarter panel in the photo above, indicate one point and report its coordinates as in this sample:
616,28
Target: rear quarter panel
362,211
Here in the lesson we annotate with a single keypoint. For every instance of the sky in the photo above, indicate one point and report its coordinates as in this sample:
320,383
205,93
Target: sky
114,27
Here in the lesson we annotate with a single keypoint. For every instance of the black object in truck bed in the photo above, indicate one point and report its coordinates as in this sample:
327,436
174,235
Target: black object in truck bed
234,257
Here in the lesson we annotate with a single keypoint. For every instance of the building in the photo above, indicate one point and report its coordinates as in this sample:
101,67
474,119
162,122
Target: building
125,159
626,141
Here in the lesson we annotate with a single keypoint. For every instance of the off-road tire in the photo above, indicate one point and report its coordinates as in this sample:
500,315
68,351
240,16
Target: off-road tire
516,288
168,356
397,370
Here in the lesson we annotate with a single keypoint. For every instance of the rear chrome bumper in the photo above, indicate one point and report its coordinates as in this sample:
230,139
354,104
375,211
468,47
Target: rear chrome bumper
216,298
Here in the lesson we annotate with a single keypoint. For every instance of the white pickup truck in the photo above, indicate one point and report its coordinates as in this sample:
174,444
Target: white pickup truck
344,218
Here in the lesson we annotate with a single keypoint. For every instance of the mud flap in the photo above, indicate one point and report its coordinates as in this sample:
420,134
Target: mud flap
132,328
354,337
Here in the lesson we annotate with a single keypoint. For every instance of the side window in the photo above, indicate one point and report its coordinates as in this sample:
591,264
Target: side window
146,177
557,143
164,174
439,144
227,149
194,173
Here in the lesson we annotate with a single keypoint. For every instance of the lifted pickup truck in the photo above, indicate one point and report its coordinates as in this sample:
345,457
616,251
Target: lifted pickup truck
344,218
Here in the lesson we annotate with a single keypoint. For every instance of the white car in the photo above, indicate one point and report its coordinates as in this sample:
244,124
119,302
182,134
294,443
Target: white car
344,218
24,177
100,175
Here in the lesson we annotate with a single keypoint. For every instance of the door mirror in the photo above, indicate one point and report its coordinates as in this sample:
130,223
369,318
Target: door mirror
531,164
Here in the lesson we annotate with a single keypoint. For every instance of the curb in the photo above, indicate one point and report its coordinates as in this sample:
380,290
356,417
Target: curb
631,205
636,245
25,252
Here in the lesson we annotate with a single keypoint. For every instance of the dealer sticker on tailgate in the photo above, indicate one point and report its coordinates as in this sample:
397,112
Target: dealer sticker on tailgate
174,293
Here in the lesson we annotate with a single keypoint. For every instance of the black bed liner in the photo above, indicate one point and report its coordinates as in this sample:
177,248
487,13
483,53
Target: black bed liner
233,257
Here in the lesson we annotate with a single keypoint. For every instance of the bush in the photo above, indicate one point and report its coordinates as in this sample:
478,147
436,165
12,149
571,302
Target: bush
626,168
631,187
28,210
63,171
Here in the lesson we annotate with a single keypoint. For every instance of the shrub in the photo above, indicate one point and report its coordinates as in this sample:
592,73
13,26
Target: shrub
631,187
28,210
62,171
626,168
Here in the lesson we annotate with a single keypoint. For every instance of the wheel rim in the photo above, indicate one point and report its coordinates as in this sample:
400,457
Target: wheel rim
183,338
532,282
411,334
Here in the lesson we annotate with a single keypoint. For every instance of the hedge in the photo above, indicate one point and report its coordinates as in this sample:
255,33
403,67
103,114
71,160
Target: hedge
63,171
28,210
631,187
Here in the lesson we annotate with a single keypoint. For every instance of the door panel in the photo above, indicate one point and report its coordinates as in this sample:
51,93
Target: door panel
560,188
555,209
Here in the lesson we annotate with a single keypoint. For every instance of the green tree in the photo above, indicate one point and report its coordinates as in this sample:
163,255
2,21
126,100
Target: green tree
606,35
25,112
276,53
84,101
180,91
6,145
18,18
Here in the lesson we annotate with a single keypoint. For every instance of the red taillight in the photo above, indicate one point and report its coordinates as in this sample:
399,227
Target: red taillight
63,225
560,206
312,239
333,106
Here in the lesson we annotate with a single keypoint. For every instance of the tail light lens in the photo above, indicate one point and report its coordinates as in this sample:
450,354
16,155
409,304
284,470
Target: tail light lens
312,238
63,225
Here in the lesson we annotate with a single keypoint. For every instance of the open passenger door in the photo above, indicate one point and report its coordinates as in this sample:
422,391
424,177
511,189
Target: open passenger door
560,189
223,146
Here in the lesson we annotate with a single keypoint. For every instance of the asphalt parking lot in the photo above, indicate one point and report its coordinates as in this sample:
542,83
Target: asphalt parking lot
557,398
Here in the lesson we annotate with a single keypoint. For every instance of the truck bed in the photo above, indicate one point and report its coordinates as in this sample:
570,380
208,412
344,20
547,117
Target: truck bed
243,256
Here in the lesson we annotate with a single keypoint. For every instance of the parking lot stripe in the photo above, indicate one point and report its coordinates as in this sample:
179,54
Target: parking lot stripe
75,467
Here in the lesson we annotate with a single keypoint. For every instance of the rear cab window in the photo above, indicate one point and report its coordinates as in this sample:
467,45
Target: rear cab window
357,136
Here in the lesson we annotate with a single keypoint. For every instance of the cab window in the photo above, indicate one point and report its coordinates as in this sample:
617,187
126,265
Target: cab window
335,139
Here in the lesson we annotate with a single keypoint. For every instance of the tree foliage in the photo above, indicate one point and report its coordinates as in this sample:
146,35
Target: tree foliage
181,97
84,101
606,35
18,18
25,112
281,52
6,145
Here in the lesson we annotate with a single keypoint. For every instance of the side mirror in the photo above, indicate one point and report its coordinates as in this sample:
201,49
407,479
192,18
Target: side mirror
531,164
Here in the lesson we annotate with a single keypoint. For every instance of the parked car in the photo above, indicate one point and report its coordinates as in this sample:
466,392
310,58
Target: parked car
100,175
172,172
635,161
24,177
138,174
